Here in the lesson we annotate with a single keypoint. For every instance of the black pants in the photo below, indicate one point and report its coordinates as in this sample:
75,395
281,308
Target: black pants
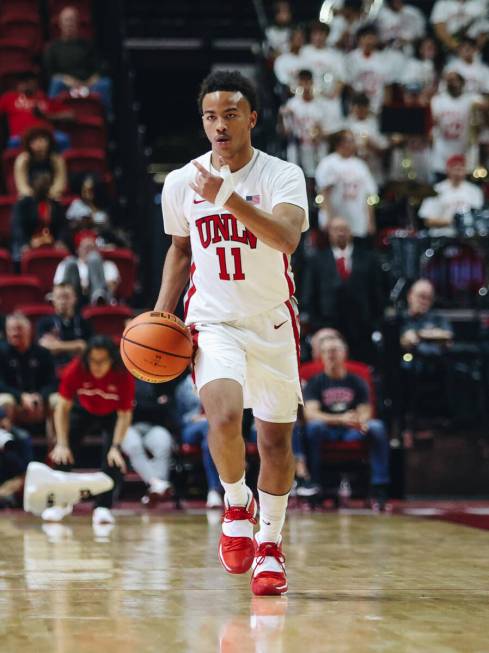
83,423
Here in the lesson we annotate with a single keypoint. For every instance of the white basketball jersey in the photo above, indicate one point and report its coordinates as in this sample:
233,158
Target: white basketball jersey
233,275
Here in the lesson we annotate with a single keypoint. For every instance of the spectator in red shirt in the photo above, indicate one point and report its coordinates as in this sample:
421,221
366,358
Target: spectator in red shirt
28,107
96,395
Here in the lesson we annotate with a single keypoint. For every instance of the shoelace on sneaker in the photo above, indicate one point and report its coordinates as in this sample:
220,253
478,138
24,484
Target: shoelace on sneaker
234,513
267,549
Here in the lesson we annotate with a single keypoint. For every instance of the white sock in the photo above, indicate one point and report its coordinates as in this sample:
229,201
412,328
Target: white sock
236,494
272,516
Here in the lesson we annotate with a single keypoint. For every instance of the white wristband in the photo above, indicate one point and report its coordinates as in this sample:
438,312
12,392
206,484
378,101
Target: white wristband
227,187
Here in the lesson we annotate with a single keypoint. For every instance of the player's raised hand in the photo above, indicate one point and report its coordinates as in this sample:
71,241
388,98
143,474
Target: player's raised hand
206,184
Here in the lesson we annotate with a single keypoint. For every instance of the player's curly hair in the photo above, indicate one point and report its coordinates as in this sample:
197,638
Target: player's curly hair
228,80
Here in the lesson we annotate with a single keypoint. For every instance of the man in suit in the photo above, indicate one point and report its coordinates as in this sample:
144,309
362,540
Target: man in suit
342,289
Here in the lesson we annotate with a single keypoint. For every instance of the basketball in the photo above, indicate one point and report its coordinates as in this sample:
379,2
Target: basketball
156,347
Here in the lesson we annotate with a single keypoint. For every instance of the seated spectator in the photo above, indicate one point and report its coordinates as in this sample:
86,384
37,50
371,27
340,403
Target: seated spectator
400,23
94,279
368,70
342,290
149,445
27,377
452,18
39,156
454,195
337,409
194,428
37,220
90,211
426,337
64,334
326,63
96,395
278,34
370,143
301,120
346,185
15,455
453,122
421,329
287,65
71,62
27,107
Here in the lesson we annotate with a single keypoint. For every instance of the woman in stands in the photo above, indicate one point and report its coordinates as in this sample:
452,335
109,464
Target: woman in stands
39,156
96,396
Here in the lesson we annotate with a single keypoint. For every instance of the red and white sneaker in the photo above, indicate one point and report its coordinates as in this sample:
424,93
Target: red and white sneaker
237,546
269,577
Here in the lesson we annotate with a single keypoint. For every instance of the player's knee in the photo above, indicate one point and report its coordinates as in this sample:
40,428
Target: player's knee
227,421
275,448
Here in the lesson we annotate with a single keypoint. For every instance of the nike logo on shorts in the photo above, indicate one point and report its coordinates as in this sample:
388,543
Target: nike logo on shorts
277,326
199,201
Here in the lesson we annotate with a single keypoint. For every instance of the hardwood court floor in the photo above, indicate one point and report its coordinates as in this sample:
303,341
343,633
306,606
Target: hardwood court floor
359,583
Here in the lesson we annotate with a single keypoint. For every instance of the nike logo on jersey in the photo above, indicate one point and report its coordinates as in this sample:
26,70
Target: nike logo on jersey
277,326
199,201
267,522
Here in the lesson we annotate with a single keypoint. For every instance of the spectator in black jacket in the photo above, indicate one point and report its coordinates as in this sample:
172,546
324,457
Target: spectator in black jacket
72,63
27,377
37,221
342,290
64,334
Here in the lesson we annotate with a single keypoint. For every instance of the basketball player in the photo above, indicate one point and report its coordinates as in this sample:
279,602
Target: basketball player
235,216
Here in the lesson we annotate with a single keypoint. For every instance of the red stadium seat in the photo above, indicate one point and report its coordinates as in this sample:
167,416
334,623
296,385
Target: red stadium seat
126,263
6,204
87,132
18,289
5,262
86,160
15,51
8,161
108,320
42,263
22,7
34,312
90,105
20,25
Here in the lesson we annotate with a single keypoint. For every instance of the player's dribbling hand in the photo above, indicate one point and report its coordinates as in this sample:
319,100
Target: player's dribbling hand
61,455
116,459
206,184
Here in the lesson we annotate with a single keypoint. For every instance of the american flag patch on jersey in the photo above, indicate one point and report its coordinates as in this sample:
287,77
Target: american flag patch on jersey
254,199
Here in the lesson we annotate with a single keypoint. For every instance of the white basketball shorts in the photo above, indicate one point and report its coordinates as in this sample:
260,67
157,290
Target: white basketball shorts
261,353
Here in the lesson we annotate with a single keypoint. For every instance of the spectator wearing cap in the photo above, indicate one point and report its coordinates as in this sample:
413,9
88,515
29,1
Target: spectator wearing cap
39,156
65,333
71,62
27,377
94,279
454,195
342,289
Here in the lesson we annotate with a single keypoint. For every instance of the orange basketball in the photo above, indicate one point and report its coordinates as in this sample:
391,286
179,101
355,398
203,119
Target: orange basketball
156,347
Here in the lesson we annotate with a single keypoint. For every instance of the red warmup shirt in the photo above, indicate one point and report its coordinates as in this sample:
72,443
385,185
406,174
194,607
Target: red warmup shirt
18,107
112,392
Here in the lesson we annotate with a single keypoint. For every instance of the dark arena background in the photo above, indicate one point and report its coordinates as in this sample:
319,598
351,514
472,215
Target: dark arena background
384,104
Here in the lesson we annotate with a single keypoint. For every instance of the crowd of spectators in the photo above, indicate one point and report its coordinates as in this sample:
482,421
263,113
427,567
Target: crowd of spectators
371,108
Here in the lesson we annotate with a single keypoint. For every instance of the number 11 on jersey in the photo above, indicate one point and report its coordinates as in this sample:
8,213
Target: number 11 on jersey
238,274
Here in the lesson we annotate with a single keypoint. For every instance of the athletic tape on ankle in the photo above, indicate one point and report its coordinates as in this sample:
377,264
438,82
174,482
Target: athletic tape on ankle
227,187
